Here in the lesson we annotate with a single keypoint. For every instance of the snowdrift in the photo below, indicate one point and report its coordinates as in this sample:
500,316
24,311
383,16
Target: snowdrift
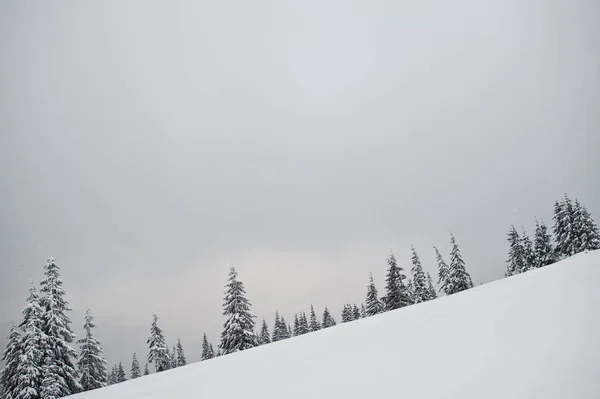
535,335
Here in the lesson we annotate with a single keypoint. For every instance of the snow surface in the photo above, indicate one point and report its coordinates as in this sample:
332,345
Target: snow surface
534,335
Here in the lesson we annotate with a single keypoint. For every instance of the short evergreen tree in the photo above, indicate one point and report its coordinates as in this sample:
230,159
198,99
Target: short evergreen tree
516,253
564,225
314,323
362,311
212,351
296,325
430,289
373,303
278,333
397,295
347,314
59,374
303,327
542,246
146,371
530,258
443,272
238,330
135,371
121,377
328,320
588,235
459,278
264,337
91,364
206,352
173,358
112,375
286,331
420,289
11,356
181,360
355,312
158,350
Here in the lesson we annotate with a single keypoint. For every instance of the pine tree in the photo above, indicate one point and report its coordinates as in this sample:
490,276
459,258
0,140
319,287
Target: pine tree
112,376
205,349
277,333
91,364
296,325
374,305
238,330
314,323
410,289
542,246
135,368
420,289
530,258
10,357
146,371
355,312
121,373
158,350
397,295
303,324
363,312
516,253
328,320
211,351
285,330
173,358
588,235
430,289
264,337
459,278
564,224
347,313
181,360
443,272
58,371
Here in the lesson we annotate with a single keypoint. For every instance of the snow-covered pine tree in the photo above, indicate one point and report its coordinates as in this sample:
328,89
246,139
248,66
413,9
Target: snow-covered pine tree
328,320
278,334
516,253
59,374
146,371
158,351
91,364
135,371
173,358
181,360
290,333
212,351
205,349
459,277
355,312
264,337
373,303
121,377
314,323
112,375
11,356
420,289
443,272
363,313
238,330
430,289
564,224
396,295
410,288
347,313
588,235
542,246
530,260
304,328
285,329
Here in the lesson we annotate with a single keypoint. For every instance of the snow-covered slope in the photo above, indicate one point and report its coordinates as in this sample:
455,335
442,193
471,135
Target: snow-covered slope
535,335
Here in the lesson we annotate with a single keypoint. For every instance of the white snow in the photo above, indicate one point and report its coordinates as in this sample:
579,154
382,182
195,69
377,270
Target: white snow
534,335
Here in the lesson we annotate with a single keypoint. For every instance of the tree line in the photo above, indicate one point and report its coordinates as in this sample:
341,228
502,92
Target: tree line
40,361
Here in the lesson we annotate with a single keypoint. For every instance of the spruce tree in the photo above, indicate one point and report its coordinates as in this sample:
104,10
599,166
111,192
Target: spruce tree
373,303
146,371
206,352
112,376
397,295
443,273
588,235
264,337
173,358
355,312
362,311
91,364
516,253
121,377
181,360
11,356
347,313
285,329
238,330
459,278
135,371
278,334
564,224
59,374
328,320
420,289
211,351
296,331
410,289
303,324
314,323
542,246
158,351
430,289
530,259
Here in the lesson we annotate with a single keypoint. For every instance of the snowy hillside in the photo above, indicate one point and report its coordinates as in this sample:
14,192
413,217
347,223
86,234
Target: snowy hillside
534,335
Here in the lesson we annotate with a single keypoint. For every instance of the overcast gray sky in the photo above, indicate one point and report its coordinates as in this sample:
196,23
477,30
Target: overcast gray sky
147,145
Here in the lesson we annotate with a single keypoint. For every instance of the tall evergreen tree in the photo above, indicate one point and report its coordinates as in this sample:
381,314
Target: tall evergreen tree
264,337
588,235
206,352
278,333
430,289
146,371
397,295
135,371
328,320
58,371
238,330
158,350
121,377
11,356
373,303
443,273
420,289
516,253
564,224
303,327
181,360
542,246
91,364
314,323
459,278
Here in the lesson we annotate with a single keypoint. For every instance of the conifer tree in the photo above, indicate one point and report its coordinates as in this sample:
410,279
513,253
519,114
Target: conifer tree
410,289
397,295
91,364
278,335
135,368
516,253
363,313
112,376
530,260
374,304
302,324
542,246
420,289
347,313
264,334
238,330
285,329
173,358
58,371
296,325
355,312
314,323
10,357
181,360
158,350
588,235
121,377
328,320
206,352
564,224
146,371
290,333
459,278
443,273
212,351
430,289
